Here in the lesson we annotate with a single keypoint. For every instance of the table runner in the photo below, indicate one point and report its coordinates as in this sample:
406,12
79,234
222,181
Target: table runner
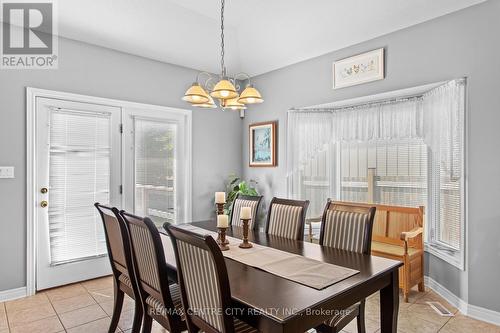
294,267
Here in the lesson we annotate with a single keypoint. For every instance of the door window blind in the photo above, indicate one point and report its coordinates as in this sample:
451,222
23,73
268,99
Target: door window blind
155,171
79,176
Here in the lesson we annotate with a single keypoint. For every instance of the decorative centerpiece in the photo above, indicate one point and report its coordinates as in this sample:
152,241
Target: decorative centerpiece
222,224
245,216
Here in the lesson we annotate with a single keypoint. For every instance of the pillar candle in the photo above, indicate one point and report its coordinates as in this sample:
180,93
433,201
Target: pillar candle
220,197
222,221
246,213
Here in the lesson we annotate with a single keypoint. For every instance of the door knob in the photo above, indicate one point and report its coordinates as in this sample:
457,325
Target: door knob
44,204
44,190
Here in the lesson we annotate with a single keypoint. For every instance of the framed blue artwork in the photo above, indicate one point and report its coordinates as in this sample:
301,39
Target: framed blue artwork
262,139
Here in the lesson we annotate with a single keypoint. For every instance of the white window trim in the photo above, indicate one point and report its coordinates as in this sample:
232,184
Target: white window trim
458,258
31,95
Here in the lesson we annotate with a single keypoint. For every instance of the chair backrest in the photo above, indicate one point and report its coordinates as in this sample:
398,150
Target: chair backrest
347,227
204,282
391,221
117,243
149,260
245,201
286,218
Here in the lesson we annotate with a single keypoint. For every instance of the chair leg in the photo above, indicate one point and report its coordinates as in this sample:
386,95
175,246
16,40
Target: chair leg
147,323
138,314
361,318
421,286
117,309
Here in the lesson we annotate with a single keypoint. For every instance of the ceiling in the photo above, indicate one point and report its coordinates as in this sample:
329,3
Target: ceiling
261,35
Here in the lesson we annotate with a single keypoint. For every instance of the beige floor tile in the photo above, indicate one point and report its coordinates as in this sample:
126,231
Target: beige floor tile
82,316
97,284
409,323
20,317
98,326
103,295
68,291
128,305
463,324
126,320
46,325
73,303
27,302
431,296
4,324
424,311
371,326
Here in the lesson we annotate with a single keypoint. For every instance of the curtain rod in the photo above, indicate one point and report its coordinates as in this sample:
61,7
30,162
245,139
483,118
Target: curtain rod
355,106
460,80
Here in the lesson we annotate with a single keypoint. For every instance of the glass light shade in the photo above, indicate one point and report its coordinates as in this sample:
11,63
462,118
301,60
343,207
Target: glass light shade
207,105
250,96
224,89
196,94
233,104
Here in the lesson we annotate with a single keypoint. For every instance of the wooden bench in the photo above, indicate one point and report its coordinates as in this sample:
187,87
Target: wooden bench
398,234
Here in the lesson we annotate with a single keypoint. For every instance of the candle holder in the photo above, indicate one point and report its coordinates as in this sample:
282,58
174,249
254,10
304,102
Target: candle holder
246,244
219,211
223,241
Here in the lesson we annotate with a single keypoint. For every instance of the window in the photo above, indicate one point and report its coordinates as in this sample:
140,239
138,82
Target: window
405,152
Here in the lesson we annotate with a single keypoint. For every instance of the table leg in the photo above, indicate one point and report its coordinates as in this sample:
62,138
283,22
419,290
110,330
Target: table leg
389,305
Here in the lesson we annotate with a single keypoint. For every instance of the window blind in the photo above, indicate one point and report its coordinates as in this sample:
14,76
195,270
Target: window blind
79,158
155,150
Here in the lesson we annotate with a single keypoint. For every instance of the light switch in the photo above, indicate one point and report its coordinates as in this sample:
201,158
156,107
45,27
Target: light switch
6,172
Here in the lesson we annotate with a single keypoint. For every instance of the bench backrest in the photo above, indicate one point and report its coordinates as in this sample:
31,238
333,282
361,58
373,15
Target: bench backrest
391,221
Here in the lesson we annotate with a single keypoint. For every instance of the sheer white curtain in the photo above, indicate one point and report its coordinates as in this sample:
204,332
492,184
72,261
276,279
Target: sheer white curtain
329,153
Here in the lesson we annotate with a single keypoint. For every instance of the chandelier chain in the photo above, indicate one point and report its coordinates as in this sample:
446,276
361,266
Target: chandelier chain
223,66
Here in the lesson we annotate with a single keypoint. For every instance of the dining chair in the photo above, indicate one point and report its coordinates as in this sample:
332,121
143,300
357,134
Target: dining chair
245,201
286,218
347,228
120,258
161,301
204,282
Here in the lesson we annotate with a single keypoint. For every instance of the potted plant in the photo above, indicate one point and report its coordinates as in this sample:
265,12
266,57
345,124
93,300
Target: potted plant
235,186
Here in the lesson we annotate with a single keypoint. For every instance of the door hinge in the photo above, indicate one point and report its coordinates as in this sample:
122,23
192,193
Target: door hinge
121,128
120,189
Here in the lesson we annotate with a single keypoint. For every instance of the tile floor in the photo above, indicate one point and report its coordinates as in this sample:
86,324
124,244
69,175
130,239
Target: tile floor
87,306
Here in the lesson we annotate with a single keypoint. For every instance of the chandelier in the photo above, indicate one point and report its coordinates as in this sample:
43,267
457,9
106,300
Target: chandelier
222,89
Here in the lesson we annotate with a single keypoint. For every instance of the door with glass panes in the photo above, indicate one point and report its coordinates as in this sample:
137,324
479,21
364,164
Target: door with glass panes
134,159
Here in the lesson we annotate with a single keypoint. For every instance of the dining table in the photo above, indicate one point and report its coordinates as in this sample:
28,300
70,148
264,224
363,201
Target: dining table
272,303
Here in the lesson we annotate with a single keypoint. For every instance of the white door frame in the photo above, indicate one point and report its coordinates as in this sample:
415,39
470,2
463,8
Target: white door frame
31,201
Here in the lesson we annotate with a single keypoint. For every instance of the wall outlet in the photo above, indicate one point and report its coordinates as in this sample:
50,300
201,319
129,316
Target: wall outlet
6,172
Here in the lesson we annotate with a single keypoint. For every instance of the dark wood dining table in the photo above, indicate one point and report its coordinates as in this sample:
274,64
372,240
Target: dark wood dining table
274,304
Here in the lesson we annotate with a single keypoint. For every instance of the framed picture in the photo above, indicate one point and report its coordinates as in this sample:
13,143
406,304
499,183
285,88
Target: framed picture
358,69
262,138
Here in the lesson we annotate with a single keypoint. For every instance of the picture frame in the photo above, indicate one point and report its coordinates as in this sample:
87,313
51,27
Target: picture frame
359,69
262,144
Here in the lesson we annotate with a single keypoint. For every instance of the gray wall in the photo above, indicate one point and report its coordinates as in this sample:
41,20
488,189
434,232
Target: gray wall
462,43
96,71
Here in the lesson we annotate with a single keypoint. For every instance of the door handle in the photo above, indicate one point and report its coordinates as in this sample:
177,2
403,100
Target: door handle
44,190
44,204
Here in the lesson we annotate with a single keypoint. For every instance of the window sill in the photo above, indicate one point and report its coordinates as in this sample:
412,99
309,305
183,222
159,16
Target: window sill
456,259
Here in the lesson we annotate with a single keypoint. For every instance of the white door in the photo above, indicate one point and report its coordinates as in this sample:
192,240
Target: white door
78,163
156,164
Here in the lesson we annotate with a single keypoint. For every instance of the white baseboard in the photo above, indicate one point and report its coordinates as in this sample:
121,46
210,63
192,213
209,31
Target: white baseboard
8,295
473,311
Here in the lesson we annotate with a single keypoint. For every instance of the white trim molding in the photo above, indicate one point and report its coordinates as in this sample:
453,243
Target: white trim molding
31,96
11,294
473,311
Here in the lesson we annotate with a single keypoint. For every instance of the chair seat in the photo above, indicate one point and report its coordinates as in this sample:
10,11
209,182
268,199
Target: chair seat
394,250
242,327
160,309
125,279
351,311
